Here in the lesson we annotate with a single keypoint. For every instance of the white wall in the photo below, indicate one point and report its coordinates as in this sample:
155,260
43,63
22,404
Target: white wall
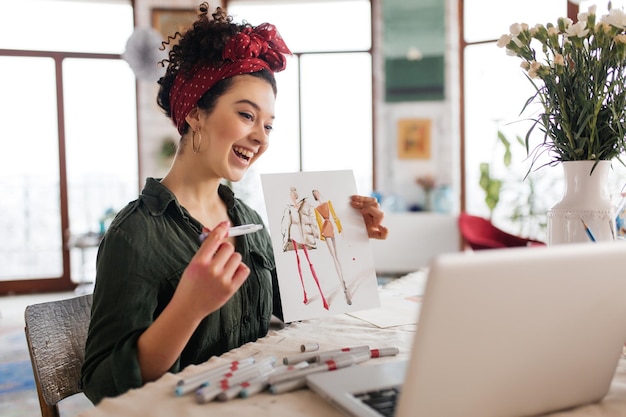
393,176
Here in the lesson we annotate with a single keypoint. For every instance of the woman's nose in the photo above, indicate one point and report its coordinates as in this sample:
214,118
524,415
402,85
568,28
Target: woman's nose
260,136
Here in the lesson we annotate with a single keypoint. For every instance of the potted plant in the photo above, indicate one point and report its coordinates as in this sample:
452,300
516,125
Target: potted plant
578,71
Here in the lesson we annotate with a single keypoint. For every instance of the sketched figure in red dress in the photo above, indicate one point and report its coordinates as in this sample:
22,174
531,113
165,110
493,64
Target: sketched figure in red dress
300,231
323,211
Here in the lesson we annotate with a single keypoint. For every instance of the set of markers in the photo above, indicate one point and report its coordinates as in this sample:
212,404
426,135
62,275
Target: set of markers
246,377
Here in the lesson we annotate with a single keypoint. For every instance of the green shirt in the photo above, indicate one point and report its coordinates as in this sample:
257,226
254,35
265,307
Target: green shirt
139,264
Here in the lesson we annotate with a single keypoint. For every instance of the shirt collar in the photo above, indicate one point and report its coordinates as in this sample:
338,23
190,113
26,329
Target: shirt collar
158,197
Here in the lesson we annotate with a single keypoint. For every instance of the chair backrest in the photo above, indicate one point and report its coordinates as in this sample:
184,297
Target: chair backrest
479,233
56,333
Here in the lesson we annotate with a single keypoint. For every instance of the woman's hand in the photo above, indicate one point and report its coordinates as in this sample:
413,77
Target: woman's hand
213,275
372,214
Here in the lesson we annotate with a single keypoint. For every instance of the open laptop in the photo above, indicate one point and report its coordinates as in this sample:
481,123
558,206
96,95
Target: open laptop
506,332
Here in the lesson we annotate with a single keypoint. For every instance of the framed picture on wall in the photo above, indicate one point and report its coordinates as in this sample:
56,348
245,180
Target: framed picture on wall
414,138
169,21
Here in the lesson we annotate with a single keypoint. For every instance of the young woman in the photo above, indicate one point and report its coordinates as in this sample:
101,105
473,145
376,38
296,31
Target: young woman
163,299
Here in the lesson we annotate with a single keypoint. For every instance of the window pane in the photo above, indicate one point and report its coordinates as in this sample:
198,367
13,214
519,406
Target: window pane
101,138
66,25
337,114
30,224
101,142
487,110
489,19
283,154
494,96
316,32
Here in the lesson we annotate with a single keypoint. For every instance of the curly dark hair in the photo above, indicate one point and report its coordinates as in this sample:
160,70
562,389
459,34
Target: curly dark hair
202,45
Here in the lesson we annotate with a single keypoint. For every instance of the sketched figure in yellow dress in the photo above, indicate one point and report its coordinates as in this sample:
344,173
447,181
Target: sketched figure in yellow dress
300,231
323,212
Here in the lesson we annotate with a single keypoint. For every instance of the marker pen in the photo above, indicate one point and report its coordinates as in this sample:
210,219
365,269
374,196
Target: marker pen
244,229
311,356
360,356
288,386
373,353
309,347
248,389
386,351
211,391
254,387
200,379
229,379
237,230
329,365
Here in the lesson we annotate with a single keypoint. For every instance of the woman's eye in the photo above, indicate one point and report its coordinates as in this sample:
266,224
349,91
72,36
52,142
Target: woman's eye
269,128
247,115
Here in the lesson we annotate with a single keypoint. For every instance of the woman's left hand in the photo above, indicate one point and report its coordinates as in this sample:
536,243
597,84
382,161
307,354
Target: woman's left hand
372,214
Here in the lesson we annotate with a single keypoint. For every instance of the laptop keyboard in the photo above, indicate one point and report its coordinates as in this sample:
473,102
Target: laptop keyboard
382,400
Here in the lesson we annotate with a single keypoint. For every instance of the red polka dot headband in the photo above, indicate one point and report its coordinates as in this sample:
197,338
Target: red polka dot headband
251,50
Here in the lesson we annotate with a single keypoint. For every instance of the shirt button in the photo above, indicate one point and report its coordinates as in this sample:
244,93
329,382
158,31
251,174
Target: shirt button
246,319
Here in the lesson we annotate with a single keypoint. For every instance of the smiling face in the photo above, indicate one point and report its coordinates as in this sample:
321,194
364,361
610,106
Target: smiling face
236,132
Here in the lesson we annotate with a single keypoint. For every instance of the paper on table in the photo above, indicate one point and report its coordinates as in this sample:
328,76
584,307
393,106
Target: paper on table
399,304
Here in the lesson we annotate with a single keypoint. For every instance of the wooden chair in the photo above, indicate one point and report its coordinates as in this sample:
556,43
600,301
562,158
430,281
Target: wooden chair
56,333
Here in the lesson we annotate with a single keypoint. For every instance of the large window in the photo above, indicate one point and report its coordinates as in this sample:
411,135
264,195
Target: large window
68,133
324,104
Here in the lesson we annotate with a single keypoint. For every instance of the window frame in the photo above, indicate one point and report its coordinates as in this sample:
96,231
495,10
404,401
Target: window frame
63,282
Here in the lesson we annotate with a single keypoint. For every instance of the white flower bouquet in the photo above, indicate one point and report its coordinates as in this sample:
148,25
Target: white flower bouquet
578,71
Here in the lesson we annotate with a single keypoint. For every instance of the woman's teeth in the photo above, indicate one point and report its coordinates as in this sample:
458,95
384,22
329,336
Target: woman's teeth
243,153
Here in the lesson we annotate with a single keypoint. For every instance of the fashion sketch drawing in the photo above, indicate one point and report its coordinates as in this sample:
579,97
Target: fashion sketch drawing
324,263
323,212
300,231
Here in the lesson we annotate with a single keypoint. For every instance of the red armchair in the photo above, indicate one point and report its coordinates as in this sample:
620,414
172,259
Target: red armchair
479,233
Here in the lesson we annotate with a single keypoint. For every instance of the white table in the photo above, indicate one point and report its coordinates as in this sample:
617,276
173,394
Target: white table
157,399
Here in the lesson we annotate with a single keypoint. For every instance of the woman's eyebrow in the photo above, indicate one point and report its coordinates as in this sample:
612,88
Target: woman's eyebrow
253,104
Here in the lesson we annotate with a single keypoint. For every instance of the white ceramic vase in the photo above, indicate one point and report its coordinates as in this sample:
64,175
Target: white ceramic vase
585,213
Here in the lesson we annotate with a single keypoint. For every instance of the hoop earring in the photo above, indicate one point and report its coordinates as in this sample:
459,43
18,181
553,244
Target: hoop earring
193,141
